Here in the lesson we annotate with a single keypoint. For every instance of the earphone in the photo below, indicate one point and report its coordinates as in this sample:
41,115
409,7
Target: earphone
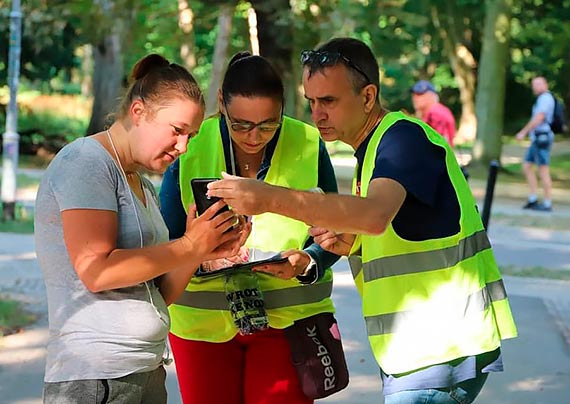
168,360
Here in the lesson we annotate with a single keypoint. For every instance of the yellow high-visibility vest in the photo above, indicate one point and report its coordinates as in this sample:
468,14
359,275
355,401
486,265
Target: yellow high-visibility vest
429,302
202,313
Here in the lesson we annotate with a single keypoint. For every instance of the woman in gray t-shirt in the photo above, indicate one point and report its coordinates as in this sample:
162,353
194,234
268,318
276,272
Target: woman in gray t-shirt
103,247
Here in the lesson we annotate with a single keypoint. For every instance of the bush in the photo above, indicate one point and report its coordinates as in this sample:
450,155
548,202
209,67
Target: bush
48,122
13,317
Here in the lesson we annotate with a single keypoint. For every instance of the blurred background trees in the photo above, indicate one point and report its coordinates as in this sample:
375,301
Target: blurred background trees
480,55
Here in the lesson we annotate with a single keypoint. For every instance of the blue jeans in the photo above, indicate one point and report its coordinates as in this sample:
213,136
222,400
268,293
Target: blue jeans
463,393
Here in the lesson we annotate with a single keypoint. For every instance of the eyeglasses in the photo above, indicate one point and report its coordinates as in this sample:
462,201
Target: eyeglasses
326,58
267,127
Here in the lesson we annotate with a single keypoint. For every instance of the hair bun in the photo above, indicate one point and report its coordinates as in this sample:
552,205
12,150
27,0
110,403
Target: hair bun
148,64
239,56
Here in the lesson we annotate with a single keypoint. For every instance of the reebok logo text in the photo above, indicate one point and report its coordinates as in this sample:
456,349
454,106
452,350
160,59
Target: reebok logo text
323,354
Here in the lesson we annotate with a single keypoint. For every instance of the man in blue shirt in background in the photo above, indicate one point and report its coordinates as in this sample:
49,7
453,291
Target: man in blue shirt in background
538,153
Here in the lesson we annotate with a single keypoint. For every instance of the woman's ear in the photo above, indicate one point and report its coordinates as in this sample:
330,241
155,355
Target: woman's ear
136,111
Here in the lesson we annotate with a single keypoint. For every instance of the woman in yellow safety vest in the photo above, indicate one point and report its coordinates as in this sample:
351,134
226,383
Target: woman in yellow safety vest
217,362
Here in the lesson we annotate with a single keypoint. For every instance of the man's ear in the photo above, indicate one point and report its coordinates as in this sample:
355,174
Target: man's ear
369,92
136,111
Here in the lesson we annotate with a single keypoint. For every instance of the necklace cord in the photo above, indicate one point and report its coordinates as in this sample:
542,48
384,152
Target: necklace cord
166,360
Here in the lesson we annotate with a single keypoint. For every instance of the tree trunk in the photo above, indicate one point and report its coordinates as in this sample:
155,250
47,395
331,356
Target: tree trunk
490,100
186,24
253,36
220,56
86,76
465,77
463,65
107,78
276,45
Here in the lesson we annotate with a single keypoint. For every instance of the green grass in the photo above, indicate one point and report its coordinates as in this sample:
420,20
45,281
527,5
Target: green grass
21,226
559,170
539,221
24,181
23,223
512,173
13,317
536,272
32,161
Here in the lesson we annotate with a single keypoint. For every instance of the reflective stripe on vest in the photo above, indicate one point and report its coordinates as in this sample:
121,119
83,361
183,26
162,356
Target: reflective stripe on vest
274,299
425,261
479,301
355,262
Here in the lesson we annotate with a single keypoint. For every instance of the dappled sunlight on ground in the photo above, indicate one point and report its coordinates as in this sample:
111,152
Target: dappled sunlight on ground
19,257
535,384
361,388
539,234
16,349
353,345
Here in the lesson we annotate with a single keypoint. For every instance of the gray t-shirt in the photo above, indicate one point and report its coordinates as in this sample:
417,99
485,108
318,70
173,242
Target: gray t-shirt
544,103
108,334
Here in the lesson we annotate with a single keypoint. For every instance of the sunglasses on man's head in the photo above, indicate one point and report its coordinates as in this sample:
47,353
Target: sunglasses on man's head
326,58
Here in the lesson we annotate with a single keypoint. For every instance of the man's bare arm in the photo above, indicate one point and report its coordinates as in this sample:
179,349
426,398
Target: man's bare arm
533,123
341,213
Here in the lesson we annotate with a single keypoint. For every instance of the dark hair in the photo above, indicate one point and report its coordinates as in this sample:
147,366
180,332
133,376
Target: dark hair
359,54
250,75
155,80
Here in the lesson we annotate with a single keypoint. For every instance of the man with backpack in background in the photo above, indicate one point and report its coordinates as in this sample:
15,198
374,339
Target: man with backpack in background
538,153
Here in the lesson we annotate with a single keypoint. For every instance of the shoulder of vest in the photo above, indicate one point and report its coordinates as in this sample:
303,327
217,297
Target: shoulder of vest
203,139
392,118
208,125
295,127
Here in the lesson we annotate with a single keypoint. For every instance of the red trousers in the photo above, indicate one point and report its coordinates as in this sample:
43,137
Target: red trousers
252,369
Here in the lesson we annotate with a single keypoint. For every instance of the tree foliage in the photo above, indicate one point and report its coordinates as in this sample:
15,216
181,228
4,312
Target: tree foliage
49,38
439,40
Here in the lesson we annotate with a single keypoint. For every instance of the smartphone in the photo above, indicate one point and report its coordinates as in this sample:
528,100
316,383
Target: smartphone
202,200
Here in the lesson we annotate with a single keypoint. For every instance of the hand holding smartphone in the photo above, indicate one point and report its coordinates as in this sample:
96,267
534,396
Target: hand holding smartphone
202,200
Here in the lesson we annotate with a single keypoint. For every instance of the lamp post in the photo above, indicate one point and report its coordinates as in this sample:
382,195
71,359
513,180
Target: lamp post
11,139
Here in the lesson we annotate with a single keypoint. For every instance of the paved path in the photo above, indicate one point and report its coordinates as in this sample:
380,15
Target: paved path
537,363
